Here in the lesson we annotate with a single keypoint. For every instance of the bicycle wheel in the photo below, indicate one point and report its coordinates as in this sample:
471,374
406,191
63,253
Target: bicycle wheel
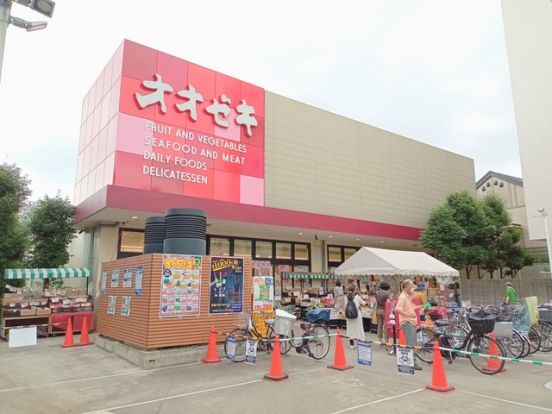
514,344
285,344
482,345
239,335
424,344
545,331
295,341
319,346
534,340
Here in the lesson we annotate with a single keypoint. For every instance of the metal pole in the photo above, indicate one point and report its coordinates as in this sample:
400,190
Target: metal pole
547,235
5,6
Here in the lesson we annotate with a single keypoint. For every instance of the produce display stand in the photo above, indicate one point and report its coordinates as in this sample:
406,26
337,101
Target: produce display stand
48,311
140,323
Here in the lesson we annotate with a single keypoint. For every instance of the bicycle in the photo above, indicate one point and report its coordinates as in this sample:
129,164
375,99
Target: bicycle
544,329
314,341
246,329
475,342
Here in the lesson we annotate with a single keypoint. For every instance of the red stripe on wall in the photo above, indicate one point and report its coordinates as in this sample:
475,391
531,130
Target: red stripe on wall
139,200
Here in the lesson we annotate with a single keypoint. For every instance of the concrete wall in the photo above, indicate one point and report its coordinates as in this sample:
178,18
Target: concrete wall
528,29
491,292
320,162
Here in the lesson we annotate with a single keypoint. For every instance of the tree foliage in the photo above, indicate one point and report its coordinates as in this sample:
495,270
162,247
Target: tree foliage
51,231
469,233
14,191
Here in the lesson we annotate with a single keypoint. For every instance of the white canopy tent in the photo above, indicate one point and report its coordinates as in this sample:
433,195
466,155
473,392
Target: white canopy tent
385,262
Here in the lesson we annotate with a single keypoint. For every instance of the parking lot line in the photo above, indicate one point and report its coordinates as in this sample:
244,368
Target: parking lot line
536,407
49,384
393,397
172,397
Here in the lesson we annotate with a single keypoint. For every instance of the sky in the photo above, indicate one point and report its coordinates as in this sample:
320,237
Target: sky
432,70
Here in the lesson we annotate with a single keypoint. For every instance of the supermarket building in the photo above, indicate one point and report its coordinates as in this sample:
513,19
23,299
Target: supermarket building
296,187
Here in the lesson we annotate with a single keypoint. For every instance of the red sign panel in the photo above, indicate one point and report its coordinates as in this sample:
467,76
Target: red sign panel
188,130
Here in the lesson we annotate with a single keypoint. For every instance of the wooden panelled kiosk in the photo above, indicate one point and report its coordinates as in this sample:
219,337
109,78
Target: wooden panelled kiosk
144,314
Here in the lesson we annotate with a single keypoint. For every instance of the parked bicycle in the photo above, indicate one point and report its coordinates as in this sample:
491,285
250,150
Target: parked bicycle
246,329
314,341
476,341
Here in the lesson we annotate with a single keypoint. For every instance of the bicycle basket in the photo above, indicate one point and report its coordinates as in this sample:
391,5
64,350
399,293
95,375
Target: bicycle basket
481,322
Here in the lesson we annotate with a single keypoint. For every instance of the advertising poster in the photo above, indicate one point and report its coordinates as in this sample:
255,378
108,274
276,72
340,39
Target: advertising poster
127,277
262,268
263,294
180,285
226,285
405,360
125,307
115,278
231,348
138,283
103,286
365,353
251,351
111,302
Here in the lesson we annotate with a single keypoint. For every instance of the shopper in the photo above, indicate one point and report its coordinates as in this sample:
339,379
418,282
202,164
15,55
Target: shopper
510,297
355,329
407,315
382,296
339,300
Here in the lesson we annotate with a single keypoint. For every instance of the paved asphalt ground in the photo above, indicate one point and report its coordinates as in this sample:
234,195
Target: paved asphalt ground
49,379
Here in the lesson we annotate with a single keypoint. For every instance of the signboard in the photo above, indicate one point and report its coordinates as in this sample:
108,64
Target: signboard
364,353
180,285
250,351
138,282
263,294
405,360
22,337
125,306
103,285
115,278
230,348
226,285
262,268
127,277
184,129
111,303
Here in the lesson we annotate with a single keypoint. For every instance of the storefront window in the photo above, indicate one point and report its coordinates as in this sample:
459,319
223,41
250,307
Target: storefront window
219,247
334,254
283,250
242,247
132,241
349,251
263,249
301,251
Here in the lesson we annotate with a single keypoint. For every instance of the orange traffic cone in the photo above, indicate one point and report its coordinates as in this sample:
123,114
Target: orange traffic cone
439,377
84,339
402,338
68,342
340,363
212,355
276,371
493,364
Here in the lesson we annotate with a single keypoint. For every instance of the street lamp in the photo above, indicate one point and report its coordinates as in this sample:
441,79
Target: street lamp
45,7
544,215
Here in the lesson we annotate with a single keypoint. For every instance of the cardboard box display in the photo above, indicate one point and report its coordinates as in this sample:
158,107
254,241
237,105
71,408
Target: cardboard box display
40,312
27,312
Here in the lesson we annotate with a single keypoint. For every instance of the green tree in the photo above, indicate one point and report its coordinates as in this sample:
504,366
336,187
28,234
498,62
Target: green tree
443,235
14,191
50,227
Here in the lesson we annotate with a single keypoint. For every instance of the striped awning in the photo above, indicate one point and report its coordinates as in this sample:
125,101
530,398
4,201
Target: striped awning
303,275
56,273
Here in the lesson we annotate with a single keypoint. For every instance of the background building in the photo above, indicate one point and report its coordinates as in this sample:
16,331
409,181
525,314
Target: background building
299,188
510,190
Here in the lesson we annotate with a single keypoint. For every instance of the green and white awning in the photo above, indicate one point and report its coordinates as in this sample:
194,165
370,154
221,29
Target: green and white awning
56,273
303,275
